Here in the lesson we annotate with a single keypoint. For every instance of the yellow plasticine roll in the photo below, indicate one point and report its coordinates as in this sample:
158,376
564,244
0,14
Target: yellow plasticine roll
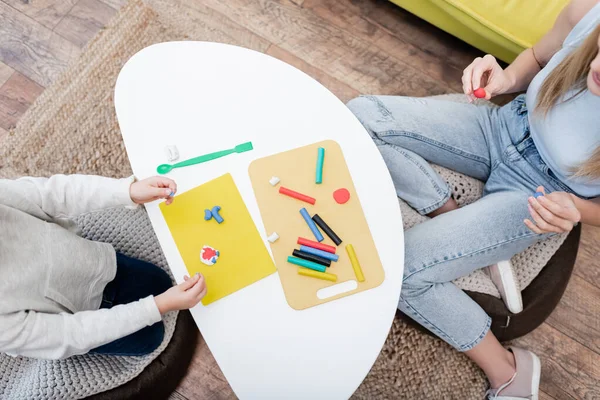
316,274
355,264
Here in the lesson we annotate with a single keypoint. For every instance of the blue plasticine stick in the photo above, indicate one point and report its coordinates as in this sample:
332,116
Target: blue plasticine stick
320,253
215,213
311,225
320,159
538,194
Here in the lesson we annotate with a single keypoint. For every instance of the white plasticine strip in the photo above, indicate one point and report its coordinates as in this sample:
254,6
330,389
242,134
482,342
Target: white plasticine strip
274,181
172,153
273,238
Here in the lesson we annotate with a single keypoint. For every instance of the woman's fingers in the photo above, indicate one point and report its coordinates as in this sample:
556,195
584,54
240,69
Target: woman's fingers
466,77
551,217
485,64
540,222
571,215
532,227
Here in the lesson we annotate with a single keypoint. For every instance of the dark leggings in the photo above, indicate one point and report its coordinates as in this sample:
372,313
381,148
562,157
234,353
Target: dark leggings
135,280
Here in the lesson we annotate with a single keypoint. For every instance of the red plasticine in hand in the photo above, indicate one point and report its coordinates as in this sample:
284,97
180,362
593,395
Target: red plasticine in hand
341,196
479,93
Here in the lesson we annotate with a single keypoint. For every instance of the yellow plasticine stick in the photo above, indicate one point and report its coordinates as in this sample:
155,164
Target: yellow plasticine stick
243,258
355,264
316,274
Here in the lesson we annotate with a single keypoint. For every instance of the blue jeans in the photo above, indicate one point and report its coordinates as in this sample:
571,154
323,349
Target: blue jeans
491,144
135,280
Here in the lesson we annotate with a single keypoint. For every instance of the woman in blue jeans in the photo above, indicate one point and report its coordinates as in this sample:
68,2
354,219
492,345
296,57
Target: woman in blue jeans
545,141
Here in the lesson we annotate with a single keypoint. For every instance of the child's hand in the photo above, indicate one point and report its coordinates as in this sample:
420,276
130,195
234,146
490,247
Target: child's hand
183,296
154,188
554,212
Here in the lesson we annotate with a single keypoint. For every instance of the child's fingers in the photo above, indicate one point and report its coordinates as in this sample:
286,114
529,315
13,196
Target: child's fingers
202,294
188,283
197,287
541,189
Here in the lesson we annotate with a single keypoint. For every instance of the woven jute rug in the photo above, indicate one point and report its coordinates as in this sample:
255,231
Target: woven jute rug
72,128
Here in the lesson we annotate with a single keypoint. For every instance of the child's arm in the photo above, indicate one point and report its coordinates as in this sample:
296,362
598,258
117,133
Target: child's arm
55,336
65,196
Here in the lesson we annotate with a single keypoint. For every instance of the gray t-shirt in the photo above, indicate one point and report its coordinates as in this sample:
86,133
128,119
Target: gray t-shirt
570,133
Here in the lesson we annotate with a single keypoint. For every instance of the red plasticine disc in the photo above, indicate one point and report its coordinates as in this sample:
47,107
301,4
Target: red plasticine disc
341,196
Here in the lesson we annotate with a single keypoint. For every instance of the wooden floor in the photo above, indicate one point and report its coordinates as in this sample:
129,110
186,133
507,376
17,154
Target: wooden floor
330,40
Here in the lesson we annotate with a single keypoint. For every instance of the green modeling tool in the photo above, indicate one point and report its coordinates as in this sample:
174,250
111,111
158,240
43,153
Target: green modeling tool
240,148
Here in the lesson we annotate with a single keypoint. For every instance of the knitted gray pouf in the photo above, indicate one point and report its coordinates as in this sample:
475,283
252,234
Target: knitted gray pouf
130,232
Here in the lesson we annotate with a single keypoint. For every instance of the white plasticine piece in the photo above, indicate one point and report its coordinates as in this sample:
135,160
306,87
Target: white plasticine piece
274,181
172,153
273,238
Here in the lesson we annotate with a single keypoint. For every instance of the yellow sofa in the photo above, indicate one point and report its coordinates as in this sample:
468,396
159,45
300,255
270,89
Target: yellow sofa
503,28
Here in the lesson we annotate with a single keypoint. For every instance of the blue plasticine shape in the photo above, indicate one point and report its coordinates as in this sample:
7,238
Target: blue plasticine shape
311,225
207,215
538,194
320,159
215,212
321,253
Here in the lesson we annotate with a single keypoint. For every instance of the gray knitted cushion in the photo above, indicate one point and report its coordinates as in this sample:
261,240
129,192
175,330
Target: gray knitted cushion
130,232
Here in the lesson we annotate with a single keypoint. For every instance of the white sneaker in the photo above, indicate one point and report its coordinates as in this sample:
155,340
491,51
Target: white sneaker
525,383
506,281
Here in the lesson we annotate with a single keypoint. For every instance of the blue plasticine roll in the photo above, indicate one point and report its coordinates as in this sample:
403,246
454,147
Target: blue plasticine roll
538,194
320,158
311,225
320,253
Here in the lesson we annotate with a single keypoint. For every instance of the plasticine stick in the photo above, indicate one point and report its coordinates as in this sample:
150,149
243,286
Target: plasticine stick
314,274
296,195
311,225
355,264
328,231
316,245
320,159
320,253
311,257
306,264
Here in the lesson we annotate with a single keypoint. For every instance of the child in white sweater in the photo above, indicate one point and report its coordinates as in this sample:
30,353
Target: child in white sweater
62,295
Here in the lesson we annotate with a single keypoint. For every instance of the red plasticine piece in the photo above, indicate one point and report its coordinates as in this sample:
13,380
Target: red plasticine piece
479,93
296,195
341,196
316,245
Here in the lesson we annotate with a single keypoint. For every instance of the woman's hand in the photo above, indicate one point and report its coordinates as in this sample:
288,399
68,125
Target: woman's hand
154,188
488,74
555,212
183,296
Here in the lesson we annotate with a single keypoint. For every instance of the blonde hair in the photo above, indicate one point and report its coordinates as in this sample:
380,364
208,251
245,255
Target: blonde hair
571,75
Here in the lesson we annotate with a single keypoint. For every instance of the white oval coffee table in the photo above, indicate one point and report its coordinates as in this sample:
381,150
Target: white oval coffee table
204,97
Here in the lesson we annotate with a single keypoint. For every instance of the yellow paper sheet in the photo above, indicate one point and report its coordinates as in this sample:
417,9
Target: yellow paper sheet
243,259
